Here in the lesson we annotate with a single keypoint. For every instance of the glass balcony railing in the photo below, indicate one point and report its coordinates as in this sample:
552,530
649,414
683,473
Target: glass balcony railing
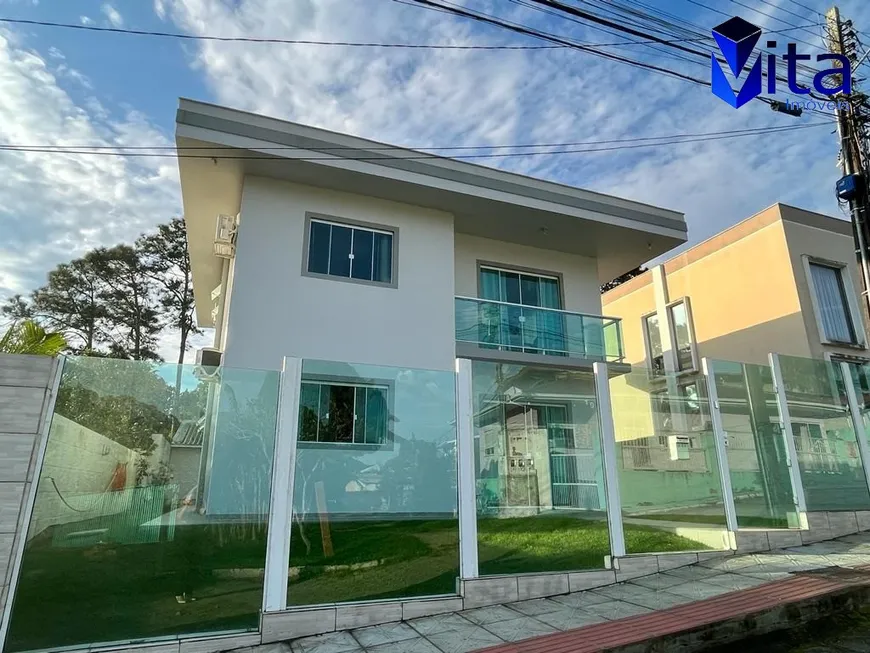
532,330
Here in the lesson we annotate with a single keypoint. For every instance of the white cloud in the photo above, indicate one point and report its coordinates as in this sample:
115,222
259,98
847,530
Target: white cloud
85,20
441,97
56,206
112,15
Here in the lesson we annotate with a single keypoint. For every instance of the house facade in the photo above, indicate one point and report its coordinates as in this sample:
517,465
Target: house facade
415,404
801,297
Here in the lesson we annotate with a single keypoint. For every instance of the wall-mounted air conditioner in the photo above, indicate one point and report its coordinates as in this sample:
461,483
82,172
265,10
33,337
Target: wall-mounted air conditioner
225,236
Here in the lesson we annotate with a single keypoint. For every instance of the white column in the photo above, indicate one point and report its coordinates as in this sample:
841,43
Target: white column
794,469
608,455
281,502
720,438
30,500
466,480
857,420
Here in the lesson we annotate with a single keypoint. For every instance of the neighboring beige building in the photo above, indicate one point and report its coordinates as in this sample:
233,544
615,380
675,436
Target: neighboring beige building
785,281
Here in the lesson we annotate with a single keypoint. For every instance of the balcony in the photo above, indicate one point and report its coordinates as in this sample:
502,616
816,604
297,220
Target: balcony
527,329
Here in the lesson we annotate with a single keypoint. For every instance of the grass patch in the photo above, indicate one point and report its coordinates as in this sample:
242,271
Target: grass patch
104,592
747,521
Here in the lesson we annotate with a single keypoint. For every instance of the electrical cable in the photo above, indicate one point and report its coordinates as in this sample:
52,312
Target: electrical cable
181,155
341,148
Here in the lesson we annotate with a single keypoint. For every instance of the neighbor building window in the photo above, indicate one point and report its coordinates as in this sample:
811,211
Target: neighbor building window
350,251
343,414
832,303
682,335
653,338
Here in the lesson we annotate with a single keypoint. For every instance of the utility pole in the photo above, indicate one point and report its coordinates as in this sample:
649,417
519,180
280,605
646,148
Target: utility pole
852,118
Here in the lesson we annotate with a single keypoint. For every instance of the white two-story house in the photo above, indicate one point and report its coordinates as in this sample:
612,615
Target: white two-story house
379,267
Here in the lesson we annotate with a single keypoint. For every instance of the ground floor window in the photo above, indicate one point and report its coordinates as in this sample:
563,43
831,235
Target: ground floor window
342,413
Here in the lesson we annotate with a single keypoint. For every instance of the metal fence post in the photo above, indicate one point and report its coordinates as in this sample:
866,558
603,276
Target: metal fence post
608,451
281,500
797,485
720,438
857,420
468,561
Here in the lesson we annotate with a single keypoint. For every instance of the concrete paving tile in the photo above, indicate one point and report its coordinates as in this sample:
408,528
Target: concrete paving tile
658,582
442,623
581,599
733,582
624,591
570,618
464,639
340,642
518,629
697,590
489,615
536,606
766,575
659,600
694,572
612,610
384,634
731,563
418,645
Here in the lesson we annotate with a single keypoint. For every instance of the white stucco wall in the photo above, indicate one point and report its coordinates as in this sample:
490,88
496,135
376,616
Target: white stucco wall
579,273
276,311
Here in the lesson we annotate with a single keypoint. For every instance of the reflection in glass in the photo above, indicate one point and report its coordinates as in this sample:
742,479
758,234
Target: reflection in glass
375,499
509,327
669,477
824,436
540,483
755,446
151,507
682,336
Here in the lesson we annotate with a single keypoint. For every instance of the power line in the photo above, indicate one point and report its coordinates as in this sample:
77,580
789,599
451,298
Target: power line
180,152
253,39
282,41
341,148
810,9
784,22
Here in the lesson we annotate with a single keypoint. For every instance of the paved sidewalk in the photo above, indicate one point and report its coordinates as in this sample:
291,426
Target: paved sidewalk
481,628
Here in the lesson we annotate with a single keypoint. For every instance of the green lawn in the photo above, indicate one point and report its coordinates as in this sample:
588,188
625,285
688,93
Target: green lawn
745,521
104,592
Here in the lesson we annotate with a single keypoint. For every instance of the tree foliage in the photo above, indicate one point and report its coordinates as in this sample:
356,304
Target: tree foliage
622,278
28,337
116,301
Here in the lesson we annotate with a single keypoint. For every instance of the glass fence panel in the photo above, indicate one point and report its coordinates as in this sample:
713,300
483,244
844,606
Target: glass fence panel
513,327
375,498
669,478
861,383
755,446
824,436
151,507
540,481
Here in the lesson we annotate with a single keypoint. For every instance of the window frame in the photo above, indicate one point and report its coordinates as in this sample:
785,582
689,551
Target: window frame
558,277
852,306
312,217
647,343
388,386
690,325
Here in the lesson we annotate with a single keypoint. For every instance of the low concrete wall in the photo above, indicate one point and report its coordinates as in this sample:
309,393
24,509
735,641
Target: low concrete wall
26,384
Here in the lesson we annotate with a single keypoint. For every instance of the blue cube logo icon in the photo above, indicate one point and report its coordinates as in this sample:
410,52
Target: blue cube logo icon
736,39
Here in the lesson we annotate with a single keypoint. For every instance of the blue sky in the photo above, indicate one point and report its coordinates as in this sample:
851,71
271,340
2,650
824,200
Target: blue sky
74,87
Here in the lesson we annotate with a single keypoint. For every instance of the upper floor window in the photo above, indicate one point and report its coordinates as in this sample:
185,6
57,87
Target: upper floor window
350,251
520,288
653,338
681,330
832,303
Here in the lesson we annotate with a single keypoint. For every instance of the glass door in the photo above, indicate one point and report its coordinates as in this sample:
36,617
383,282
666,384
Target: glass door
528,325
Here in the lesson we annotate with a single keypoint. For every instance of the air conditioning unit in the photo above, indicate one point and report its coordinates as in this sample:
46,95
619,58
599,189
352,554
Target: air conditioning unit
209,357
678,447
225,236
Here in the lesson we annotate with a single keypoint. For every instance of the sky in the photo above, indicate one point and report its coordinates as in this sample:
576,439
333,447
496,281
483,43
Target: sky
73,87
